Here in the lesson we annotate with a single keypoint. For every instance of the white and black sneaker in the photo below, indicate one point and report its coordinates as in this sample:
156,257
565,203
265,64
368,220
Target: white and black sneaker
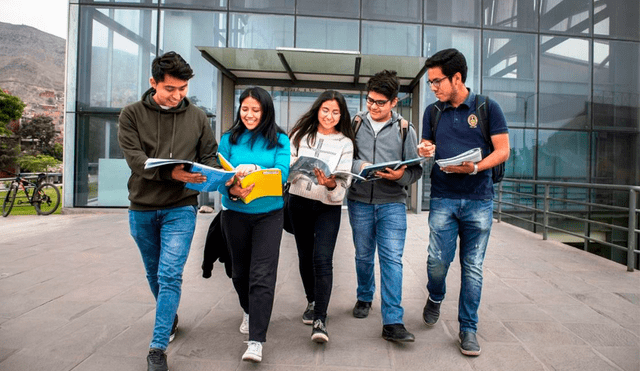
244,326
254,352
174,329
307,316
319,333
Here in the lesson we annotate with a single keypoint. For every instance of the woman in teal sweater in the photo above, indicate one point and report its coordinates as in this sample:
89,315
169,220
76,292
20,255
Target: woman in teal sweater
253,230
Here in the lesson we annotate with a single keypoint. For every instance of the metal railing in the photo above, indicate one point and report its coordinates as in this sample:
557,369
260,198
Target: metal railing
571,206
50,177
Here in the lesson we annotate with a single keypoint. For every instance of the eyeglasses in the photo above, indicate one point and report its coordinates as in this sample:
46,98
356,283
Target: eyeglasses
379,103
328,112
436,82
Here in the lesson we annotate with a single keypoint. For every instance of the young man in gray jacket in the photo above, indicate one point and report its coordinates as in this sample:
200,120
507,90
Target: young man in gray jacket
377,210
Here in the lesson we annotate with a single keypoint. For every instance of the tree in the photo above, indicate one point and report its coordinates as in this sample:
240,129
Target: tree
11,108
41,130
38,163
9,151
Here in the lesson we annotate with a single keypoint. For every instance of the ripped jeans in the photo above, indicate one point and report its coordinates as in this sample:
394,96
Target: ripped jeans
470,220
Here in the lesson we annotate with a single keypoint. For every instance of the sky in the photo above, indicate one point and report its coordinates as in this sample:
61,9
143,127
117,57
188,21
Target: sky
46,15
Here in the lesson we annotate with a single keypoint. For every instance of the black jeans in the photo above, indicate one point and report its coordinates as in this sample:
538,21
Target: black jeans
254,244
315,227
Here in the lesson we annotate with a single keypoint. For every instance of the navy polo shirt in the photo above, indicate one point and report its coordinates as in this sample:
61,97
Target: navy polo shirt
456,133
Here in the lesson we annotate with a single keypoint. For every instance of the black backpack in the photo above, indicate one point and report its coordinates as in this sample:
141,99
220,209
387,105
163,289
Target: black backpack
481,111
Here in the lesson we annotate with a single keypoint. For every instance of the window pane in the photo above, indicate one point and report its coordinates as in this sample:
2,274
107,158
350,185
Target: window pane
260,31
322,33
617,18
563,156
520,14
615,158
197,4
265,6
116,49
101,171
509,73
465,40
616,85
392,10
119,1
570,16
453,12
335,8
523,154
180,32
564,97
384,38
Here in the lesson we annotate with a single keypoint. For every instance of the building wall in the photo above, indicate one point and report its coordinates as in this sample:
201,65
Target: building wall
565,72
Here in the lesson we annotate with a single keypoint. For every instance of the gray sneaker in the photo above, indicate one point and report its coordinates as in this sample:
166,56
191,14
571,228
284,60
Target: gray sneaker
431,312
307,316
157,360
469,344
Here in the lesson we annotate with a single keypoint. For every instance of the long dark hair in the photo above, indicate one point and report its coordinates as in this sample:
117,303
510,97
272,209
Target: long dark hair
267,126
308,123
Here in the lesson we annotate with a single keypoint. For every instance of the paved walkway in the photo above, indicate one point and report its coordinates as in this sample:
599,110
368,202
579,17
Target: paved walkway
73,296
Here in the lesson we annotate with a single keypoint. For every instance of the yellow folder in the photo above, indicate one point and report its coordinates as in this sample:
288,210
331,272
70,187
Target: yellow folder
268,182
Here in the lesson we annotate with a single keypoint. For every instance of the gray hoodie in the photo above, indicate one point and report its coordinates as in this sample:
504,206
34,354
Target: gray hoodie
383,147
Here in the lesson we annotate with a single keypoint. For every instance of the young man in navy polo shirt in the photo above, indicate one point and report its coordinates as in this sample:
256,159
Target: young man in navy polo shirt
461,196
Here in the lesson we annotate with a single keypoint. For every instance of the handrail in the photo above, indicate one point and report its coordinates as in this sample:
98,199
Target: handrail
632,212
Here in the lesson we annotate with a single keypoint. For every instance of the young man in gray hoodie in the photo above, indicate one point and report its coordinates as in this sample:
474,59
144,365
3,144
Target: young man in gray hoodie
162,212
377,210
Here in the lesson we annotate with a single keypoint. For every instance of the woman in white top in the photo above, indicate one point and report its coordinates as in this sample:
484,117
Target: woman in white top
324,132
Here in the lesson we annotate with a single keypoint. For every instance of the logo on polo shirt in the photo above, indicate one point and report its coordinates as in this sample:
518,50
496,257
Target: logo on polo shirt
473,121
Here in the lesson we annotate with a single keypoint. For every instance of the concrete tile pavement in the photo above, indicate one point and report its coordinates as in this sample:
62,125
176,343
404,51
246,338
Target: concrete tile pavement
73,296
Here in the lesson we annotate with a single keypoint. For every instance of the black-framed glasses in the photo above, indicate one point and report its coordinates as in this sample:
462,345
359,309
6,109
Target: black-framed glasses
379,103
436,82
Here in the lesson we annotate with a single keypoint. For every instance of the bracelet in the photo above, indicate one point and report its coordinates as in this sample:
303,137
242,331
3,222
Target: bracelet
475,169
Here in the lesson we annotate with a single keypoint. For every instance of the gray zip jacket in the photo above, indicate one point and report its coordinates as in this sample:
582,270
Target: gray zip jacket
386,146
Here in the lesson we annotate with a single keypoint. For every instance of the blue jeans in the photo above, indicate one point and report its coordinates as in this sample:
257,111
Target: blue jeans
384,225
164,239
470,220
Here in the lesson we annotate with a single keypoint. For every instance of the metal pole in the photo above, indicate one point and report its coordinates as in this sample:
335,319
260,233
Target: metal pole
545,230
631,242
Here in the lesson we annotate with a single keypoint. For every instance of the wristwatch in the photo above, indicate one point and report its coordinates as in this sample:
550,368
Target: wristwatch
475,169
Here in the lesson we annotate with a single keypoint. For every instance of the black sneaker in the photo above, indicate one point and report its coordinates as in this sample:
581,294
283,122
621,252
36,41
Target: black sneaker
361,310
319,333
307,316
398,333
431,312
469,344
157,360
174,329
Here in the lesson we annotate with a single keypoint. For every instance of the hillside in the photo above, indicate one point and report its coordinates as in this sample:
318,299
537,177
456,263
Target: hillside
32,68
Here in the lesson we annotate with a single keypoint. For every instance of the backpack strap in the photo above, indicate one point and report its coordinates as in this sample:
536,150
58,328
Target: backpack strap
481,111
357,121
436,112
404,129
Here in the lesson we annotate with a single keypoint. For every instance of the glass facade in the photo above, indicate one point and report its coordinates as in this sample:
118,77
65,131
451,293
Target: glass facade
565,72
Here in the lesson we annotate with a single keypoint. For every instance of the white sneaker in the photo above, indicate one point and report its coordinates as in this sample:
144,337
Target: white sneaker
254,351
244,326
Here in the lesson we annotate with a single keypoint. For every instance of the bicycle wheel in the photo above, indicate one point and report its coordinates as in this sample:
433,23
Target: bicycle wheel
9,199
46,199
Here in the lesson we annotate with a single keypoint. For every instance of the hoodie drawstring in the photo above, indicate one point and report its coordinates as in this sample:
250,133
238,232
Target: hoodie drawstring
173,136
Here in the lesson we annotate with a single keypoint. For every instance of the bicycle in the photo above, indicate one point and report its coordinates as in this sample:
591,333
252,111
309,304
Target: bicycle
45,197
